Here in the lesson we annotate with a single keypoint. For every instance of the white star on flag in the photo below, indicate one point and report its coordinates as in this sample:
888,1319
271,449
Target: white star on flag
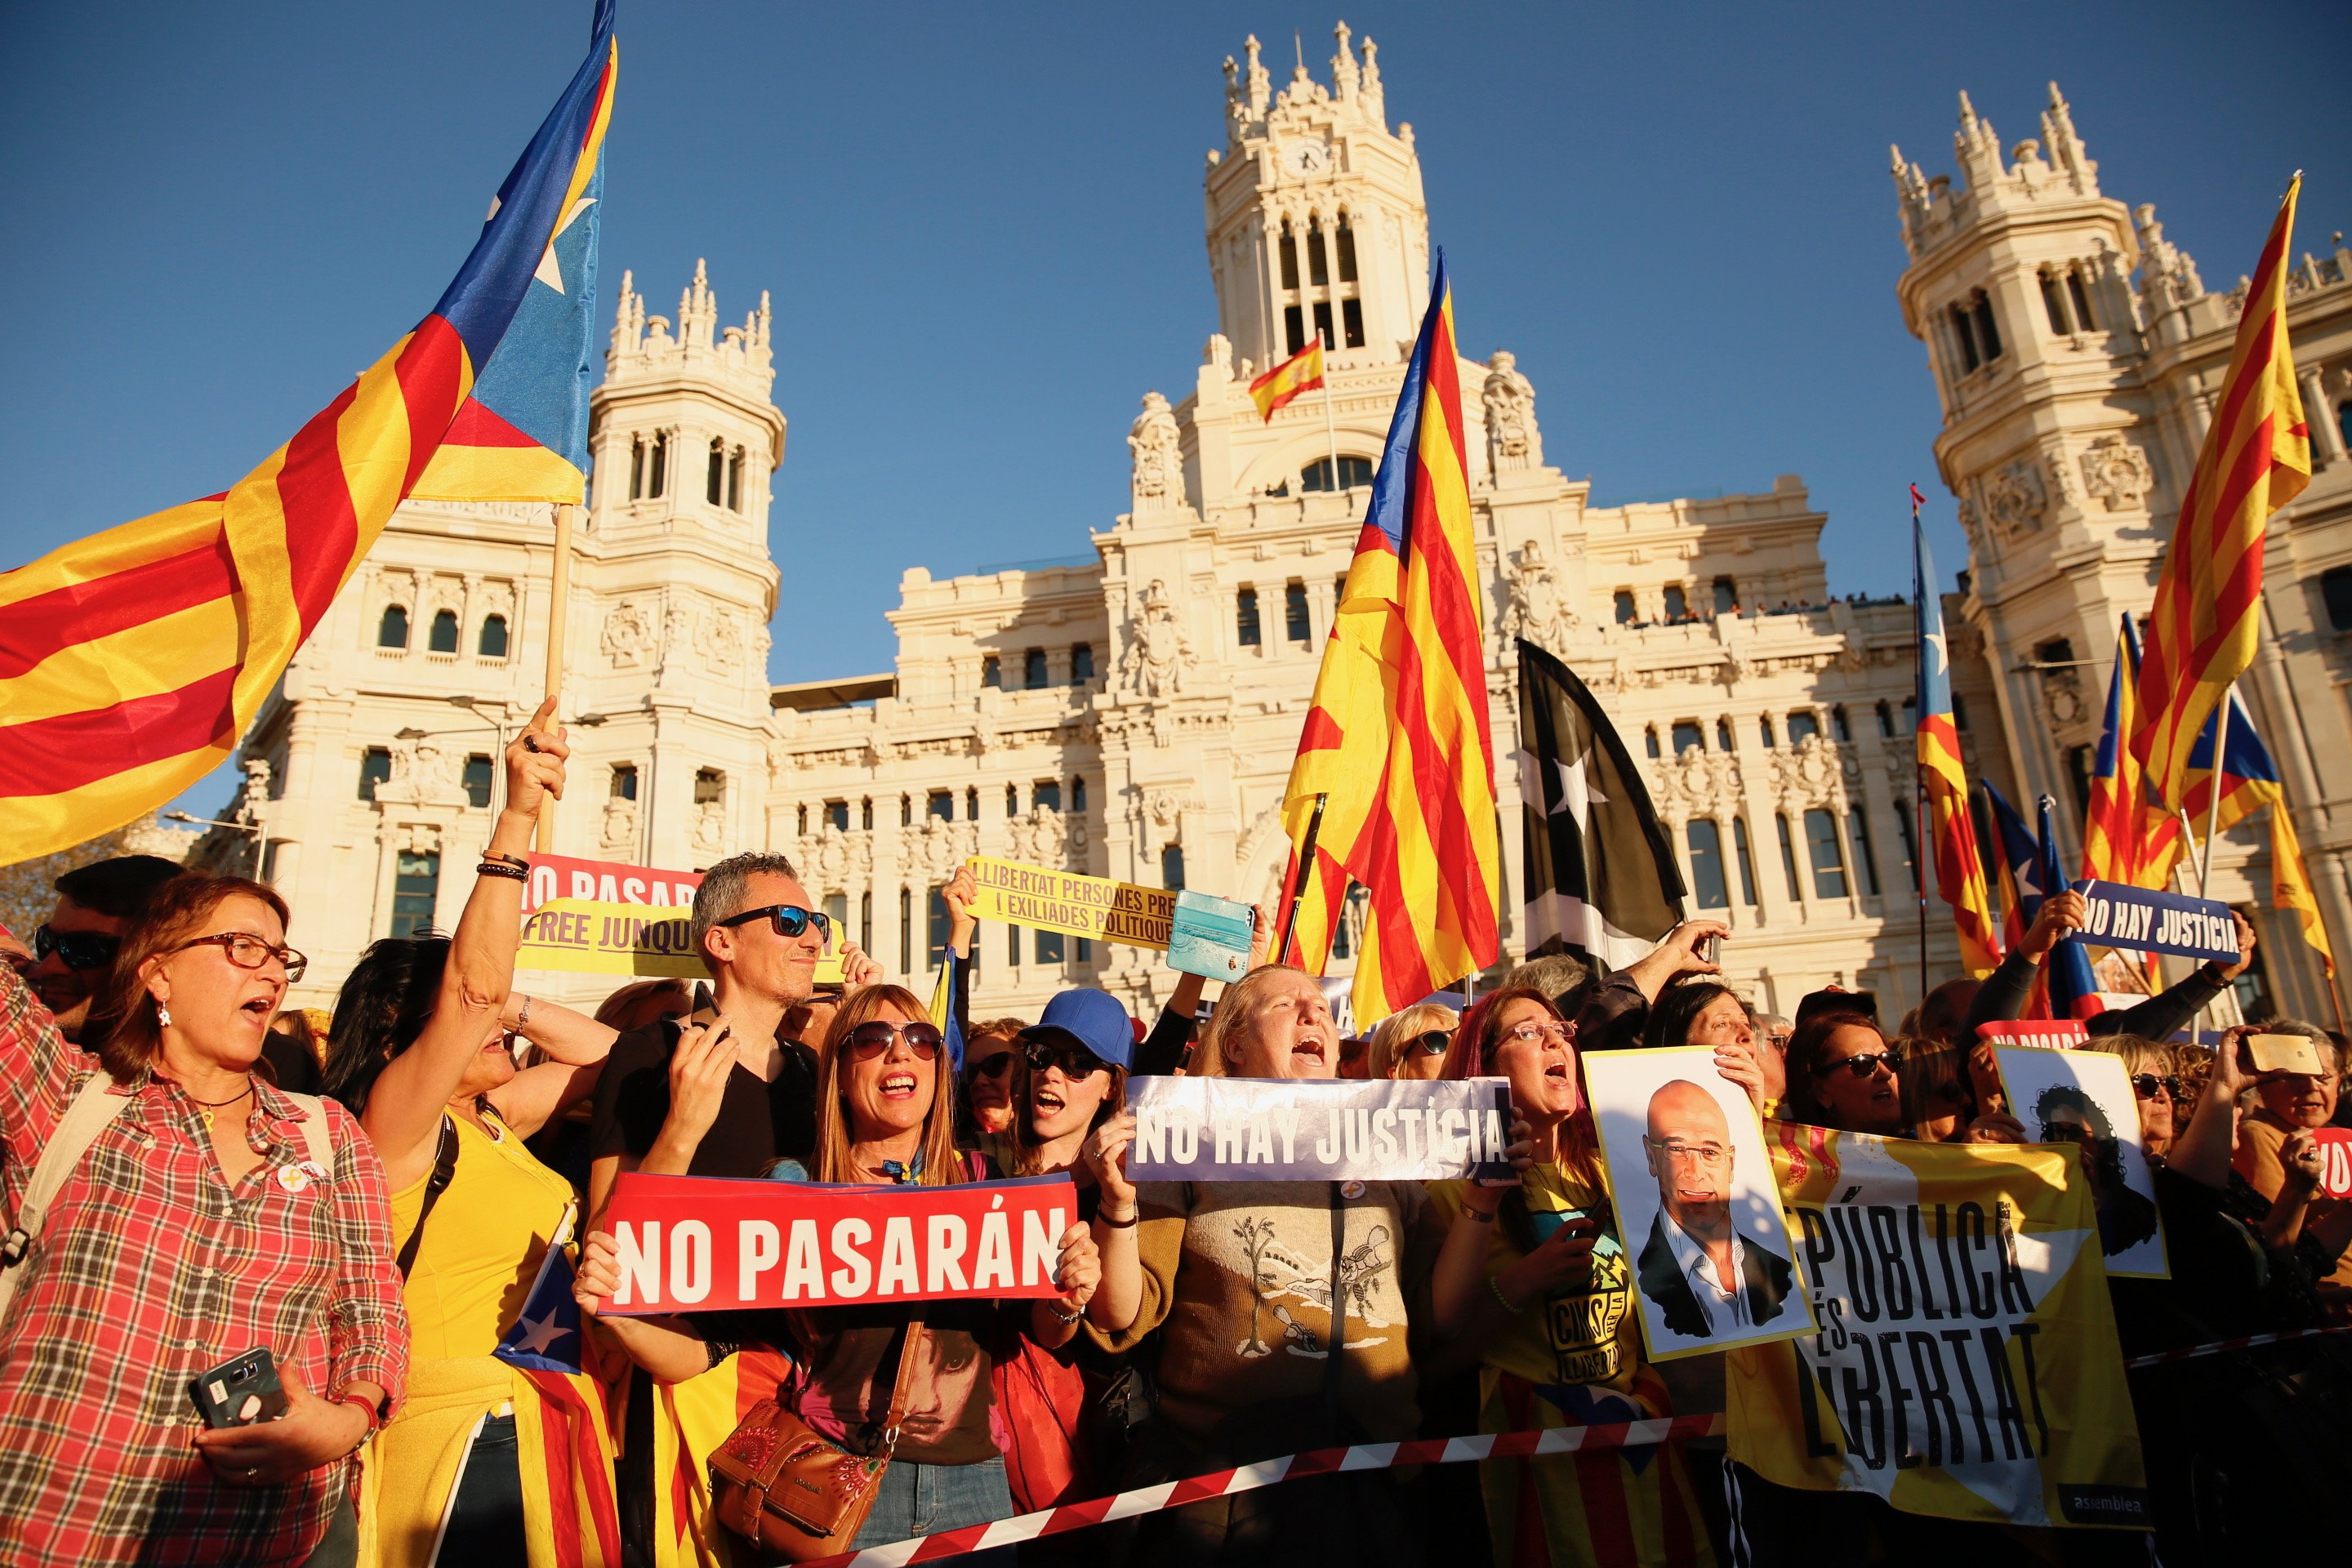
1943,654
539,1333
550,271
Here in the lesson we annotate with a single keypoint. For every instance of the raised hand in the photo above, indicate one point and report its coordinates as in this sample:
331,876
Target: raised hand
535,762
1105,1154
699,1071
312,1432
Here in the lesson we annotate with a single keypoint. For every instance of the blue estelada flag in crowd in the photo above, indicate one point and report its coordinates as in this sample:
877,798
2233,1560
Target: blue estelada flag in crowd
546,1335
2068,985
563,1435
2016,894
2027,871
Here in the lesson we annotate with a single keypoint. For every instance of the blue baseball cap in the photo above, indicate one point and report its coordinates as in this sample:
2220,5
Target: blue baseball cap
1095,1020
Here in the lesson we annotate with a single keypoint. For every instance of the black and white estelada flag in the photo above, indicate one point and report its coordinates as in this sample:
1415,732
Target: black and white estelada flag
1601,873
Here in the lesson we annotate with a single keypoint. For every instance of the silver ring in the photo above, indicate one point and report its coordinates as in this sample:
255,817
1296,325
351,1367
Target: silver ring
528,744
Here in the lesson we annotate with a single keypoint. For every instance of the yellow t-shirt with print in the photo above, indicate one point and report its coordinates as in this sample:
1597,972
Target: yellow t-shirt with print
1574,1335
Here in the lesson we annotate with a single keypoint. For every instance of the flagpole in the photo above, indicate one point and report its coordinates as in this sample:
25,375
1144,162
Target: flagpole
1919,769
2213,784
559,605
1298,888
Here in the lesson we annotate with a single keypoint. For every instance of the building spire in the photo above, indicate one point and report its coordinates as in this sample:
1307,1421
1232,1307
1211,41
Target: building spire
1261,85
1343,65
2065,146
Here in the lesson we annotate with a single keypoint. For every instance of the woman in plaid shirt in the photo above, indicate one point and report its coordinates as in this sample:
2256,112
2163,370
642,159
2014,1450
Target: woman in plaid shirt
197,1226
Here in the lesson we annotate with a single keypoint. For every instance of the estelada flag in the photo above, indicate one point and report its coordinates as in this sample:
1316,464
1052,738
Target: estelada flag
1302,372
1396,747
1951,833
2256,459
2121,830
131,661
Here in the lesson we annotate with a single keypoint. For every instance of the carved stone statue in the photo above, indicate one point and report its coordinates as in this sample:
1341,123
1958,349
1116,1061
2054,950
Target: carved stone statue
1534,609
1159,471
1158,650
1513,441
628,638
2015,498
255,798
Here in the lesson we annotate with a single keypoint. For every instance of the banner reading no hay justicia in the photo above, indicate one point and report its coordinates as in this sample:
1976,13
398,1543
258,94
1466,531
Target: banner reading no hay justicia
1966,1365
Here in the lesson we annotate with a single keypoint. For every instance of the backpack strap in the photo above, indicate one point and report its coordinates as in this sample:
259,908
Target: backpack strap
445,1170
317,1146
93,1109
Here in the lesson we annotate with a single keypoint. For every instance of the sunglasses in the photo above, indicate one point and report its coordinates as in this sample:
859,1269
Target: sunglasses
1432,1044
2146,1084
871,1038
249,951
76,949
1863,1065
1075,1060
996,1066
791,919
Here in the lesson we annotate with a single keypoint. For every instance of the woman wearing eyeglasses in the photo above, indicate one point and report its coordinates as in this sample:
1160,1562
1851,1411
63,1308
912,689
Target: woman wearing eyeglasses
1844,1074
421,1052
211,1214
1411,1042
1534,1285
885,1114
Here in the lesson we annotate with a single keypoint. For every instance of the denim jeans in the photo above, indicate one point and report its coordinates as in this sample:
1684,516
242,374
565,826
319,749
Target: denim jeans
920,1499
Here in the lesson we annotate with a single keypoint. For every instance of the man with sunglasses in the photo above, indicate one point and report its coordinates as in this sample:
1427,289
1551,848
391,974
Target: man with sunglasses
73,950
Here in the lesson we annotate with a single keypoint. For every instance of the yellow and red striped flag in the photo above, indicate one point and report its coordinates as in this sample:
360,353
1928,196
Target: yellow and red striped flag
131,662
2256,459
1951,831
1396,745
1302,372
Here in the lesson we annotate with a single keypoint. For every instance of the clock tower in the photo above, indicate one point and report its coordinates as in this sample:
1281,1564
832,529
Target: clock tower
1315,220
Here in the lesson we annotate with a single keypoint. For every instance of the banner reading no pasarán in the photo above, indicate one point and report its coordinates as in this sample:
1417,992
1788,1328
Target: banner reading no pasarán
1967,1365
1066,901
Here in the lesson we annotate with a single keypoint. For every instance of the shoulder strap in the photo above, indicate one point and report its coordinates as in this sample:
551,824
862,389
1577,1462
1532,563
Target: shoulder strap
318,1144
1338,1334
902,1383
445,1170
93,1109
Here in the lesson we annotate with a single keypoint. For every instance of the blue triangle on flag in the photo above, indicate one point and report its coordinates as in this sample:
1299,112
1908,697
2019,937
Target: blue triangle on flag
546,1337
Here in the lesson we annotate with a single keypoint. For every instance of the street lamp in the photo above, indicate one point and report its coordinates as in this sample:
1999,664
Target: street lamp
260,833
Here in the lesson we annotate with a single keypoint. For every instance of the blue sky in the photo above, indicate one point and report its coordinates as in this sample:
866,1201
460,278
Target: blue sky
982,227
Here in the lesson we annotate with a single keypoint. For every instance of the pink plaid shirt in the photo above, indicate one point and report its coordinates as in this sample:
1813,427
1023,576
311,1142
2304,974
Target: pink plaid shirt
152,1270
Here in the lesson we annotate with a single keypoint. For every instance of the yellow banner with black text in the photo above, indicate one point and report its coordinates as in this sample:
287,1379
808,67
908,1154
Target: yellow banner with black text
1074,904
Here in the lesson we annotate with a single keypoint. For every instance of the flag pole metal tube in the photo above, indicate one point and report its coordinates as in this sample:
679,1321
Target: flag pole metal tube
1331,426
1919,769
1298,889
2213,785
558,603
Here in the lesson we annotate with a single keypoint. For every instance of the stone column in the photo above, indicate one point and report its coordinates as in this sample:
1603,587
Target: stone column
2326,434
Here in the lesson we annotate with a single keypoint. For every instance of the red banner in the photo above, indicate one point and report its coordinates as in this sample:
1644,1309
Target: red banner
2335,1160
606,882
2048,1034
710,1245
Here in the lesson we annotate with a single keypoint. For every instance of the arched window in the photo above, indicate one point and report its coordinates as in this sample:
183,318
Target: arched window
1677,601
2053,301
1171,868
1626,612
716,486
1723,734
492,642
1077,793
478,780
735,480
1726,597
1032,670
1294,612
1886,720
1082,663
972,803
992,672
1650,739
659,479
1011,800
392,630
1764,724
1706,864
648,466
1839,729
442,638
865,816
1355,473
1245,617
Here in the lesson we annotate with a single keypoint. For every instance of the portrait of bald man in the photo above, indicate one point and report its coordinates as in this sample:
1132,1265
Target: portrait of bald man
1703,1276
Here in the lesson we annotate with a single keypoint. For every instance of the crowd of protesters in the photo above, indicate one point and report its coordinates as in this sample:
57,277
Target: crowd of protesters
371,1196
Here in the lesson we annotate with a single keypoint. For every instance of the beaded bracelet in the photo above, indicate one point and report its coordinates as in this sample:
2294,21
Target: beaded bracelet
1496,1287
516,862
498,868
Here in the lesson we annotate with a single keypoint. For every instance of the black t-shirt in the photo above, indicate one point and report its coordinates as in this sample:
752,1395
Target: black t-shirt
758,1123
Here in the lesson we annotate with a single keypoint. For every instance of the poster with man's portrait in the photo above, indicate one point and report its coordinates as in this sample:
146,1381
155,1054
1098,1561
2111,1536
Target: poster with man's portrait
2084,1098
1713,1268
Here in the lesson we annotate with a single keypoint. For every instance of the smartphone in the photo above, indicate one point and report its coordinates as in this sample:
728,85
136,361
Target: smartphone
1709,950
240,1392
2283,1053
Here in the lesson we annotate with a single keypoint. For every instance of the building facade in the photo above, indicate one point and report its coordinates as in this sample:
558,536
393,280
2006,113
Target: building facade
1133,710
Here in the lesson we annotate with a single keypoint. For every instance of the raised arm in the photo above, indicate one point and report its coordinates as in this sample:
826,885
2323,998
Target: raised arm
404,1112
575,1045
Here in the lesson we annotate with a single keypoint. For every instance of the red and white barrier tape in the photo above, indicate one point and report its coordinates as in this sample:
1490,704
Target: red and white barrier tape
1289,1467
2218,1346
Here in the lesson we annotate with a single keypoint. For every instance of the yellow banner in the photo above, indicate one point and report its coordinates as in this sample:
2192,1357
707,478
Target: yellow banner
1967,1365
1066,901
585,936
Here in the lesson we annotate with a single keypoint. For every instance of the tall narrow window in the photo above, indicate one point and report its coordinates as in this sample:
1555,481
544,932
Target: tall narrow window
1839,729
1346,235
2053,301
1171,868
492,644
802,817
735,480
1032,670
1723,734
392,630
1650,739
907,930
1289,254
1011,800
1294,327
1082,663
1323,324
478,781
972,803
1048,946
1964,339
1827,857
415,888
1747,861
1678,602
2082,298
941,803
866,920
905,811
716,486
658,476
1245,617
1764,725
865,815
836,812
1294,612
1687,737
992,671
1987,330
1886,720
1047,794
1910,854
1706,864
836,909
623,785
442,637
1351,323
1865,858
1626,612
936,901
1319,266
1078,793
638,468
375,768
1013,945
1788,856
1726,597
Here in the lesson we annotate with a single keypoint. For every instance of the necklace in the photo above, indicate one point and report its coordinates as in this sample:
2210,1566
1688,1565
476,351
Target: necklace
209,1106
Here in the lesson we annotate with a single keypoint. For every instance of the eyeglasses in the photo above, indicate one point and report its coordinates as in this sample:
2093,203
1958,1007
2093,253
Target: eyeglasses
2146,1084
1432,1044
1532,1032
1706,1156
791,919
1863,1065
996,1066
76,949
248,950
873,1038
1075,1060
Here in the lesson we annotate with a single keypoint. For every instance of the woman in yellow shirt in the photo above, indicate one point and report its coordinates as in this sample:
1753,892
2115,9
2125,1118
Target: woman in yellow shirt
1534,1282
419,1052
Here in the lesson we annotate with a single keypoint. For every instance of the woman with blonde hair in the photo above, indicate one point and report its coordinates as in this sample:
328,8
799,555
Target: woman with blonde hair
886,1114
1411,1042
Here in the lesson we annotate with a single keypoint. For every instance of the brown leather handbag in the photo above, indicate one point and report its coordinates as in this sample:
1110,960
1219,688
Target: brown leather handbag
781,1484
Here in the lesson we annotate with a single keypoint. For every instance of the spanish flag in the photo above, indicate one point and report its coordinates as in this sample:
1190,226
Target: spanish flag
1396,753
131,662
1302,372
2256,459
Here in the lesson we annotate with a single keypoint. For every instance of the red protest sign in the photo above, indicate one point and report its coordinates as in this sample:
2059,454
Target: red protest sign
2048,1034
2335,1160
606,882
716,1245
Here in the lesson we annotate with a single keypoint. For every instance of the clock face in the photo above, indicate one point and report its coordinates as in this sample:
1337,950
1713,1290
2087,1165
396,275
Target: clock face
1306,158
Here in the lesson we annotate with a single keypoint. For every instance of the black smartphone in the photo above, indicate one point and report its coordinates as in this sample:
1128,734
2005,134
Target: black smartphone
240,1392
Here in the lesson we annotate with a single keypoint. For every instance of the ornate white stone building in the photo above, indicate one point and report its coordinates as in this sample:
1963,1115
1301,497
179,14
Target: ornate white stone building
1134,713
